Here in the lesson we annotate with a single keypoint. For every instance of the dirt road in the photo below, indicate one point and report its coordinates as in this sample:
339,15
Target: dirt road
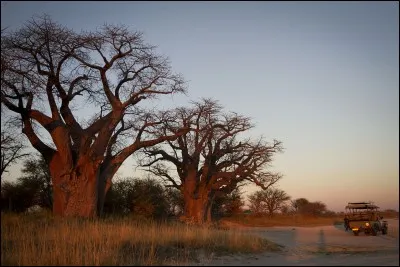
320,246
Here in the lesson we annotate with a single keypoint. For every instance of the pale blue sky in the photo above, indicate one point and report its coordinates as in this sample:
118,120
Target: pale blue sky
322,77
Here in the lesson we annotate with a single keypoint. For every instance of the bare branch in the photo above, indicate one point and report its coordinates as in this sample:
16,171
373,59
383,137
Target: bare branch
11,151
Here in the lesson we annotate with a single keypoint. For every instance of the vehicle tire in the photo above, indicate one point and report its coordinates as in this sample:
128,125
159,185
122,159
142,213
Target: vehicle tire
356,233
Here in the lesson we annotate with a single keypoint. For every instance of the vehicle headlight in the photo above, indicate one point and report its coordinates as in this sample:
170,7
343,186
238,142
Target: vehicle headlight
366,224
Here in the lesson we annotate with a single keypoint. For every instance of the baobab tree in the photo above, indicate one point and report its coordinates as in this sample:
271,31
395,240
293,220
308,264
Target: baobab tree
48,70
211,159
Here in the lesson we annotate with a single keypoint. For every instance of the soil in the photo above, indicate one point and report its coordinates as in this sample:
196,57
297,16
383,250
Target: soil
318,246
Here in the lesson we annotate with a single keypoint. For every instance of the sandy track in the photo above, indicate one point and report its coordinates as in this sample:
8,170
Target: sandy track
319,246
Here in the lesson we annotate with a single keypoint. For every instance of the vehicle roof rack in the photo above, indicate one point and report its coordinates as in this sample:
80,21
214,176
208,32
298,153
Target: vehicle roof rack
361,205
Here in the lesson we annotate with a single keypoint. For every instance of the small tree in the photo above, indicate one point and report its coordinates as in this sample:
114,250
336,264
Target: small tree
256,203
116,201
229,204
147,198
33,188
305,207
299,205
275,199
36,172
316,208
268,201
12,149
19,196
175,201
143,197
285,209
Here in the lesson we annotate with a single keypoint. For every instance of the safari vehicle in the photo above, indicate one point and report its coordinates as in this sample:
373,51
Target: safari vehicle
364,217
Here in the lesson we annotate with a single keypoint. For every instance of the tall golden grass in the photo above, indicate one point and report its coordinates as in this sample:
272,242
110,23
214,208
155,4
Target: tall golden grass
44,240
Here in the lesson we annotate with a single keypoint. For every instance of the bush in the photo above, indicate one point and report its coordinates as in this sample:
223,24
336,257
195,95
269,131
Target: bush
141,197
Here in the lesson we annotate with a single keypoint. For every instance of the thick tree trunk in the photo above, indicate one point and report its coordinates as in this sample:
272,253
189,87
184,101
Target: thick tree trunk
197,204
107,172
103,186
59,200
208,218
57,170
209,209
82,197
195,210
75,190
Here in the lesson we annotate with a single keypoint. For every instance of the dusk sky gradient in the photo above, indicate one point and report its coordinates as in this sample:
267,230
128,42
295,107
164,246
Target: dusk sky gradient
322,77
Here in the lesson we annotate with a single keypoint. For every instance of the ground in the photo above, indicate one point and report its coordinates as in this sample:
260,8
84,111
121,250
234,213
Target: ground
319,246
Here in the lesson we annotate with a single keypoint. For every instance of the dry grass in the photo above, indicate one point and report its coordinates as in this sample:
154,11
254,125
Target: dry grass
43,240
283,220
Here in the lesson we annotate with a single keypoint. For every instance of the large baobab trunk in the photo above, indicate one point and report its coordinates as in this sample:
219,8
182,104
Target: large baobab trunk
75,189
197,207
196,210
